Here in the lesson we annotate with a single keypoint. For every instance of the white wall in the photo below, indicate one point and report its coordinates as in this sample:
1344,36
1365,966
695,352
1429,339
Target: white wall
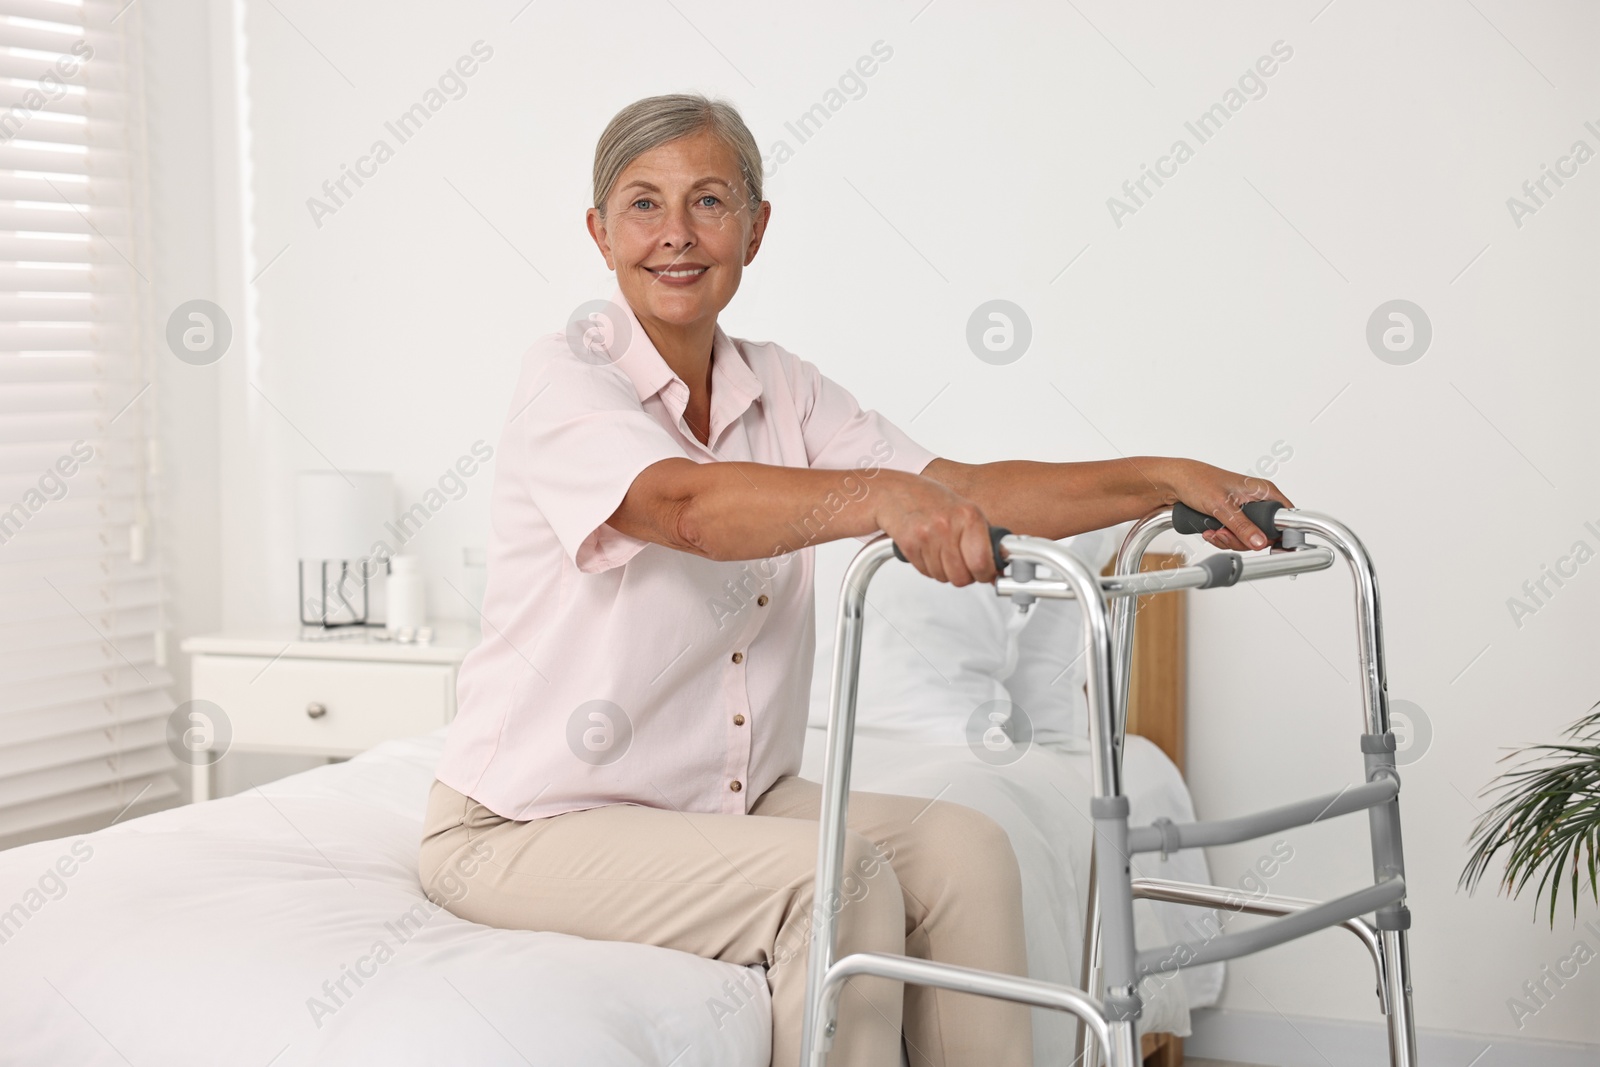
1224,316
178,104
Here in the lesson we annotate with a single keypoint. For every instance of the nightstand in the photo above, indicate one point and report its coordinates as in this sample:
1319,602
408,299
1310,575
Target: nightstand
326,693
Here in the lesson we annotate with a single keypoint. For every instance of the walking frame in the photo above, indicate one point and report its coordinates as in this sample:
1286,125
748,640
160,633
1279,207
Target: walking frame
1108,1005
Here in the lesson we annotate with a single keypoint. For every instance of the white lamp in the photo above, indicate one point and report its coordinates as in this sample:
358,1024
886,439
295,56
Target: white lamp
339,517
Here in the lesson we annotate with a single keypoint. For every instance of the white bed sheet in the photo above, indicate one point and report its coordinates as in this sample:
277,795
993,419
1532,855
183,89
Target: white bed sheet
197,935
205,934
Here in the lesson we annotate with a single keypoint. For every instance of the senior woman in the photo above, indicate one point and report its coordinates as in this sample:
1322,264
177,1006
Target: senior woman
623,764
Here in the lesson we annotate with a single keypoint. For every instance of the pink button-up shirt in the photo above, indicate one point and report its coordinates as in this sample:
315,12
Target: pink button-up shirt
616,671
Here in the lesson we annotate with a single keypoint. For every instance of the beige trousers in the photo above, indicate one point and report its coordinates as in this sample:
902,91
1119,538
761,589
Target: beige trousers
930,879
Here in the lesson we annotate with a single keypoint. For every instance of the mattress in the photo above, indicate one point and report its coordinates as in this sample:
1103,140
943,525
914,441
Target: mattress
285,925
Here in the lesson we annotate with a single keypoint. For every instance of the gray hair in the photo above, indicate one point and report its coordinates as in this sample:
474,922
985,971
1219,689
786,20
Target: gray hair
656,120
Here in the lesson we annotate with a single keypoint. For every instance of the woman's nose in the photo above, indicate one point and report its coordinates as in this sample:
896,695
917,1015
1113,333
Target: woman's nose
677,228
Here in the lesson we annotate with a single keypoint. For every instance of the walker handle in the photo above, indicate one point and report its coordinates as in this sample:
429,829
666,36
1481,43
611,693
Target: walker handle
995,533
1187,520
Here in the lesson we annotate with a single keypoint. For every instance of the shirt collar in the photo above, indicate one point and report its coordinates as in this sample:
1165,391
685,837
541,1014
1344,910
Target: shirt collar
734,386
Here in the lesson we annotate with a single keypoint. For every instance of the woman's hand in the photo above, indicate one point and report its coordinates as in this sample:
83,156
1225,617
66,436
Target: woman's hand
1221,494
942,534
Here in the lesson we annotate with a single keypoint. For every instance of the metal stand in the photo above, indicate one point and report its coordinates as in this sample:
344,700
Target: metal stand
356,618
1108,1005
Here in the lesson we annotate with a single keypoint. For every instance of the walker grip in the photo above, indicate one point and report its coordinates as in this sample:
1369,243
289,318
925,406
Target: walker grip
995,534
1187,520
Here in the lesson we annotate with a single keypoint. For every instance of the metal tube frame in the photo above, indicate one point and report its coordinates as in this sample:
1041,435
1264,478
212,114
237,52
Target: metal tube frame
1392,954
1113,1020
1213,896
1335,912
1120,586
963,980
1173,837
1108,608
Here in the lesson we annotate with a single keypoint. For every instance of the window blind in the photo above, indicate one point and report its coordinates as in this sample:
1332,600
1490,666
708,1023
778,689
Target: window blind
84,687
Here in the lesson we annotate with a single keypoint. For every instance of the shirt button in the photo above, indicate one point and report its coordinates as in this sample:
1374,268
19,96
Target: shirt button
738,720
738,657
761,601
735,787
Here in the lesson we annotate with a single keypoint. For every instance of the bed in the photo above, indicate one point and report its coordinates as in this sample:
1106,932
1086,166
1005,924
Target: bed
285,925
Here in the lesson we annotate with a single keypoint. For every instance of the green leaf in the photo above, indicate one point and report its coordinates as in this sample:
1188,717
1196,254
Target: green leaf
1547,815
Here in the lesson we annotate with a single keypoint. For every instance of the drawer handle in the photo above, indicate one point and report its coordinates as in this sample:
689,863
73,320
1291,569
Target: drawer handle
316,711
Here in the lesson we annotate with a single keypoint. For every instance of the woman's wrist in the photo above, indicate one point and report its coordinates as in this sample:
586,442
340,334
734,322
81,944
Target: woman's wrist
887,492
1160,477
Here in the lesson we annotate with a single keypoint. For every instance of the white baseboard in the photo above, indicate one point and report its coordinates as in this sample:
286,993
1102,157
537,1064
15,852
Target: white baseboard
1279,1041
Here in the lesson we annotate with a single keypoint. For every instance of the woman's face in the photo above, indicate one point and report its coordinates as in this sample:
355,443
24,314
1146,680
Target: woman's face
678,230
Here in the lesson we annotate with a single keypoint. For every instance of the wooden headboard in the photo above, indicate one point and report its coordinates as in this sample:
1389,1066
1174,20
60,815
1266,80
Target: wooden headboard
1155,699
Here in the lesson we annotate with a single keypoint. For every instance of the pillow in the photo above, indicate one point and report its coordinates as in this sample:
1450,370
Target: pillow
946,665
1048,680
931,654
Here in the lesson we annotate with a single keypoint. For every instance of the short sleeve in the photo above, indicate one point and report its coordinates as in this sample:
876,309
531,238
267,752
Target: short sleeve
586,438
839,435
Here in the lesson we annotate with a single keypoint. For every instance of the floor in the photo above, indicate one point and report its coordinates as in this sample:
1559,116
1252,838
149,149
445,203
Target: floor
1187,1062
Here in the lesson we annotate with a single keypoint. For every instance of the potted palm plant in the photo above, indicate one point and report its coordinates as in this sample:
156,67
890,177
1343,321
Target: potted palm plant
1546,820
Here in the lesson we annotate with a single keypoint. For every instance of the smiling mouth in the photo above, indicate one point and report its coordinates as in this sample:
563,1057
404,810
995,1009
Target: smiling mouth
677,272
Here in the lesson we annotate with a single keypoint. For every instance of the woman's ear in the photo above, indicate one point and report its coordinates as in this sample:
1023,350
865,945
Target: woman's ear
597,230
758,229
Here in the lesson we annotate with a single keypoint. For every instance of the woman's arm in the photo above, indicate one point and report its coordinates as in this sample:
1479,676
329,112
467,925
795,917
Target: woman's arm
1058,500
939,519
737,510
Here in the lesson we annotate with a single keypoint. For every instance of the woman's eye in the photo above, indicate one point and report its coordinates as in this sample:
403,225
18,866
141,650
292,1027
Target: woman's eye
709,201
642,204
